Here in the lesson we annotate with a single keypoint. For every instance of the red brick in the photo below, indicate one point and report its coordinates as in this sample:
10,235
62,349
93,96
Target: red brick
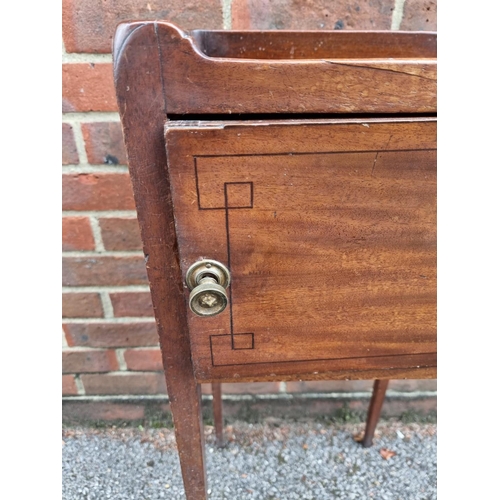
419,15
111,334
143,359
125,383
253,388
69,386
95,271
89,361
69,152
359,386
77,234
330,386
121,234
413,385
81,305
97,192
89,25
88,87
104,143
132,304
311,15
85,412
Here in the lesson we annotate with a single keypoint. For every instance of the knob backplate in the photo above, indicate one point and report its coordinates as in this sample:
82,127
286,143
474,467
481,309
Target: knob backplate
207,267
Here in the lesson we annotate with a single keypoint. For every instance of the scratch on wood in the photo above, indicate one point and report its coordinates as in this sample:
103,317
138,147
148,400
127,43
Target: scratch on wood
376,154
374,162
360,66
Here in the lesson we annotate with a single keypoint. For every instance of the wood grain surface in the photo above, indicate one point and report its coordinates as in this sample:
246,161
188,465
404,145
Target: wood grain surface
337,72
330,242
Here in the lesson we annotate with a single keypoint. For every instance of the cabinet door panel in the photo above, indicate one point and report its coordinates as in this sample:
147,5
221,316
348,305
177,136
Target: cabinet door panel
332,254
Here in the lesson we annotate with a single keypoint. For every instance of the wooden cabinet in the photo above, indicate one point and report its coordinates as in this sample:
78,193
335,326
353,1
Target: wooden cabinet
305,163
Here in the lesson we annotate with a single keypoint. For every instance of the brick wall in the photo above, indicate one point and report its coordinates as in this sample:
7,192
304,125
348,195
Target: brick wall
110,345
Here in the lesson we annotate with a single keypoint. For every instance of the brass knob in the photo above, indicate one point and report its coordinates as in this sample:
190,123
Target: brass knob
207,280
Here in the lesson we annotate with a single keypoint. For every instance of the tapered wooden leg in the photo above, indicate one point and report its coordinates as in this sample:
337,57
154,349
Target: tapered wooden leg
190,438
218,415
379,388
139,75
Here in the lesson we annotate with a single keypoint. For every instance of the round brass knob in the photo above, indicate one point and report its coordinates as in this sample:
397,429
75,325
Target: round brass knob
208,299
207,280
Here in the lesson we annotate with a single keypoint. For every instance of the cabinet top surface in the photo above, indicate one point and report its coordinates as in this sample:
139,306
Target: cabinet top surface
252,72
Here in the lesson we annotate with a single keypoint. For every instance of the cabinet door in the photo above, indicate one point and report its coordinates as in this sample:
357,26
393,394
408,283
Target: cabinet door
328,229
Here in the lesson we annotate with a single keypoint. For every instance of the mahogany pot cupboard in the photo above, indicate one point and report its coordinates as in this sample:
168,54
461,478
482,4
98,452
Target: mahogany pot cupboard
285,185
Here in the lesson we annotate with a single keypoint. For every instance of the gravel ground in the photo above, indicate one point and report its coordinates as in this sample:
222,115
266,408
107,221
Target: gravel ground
283,461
